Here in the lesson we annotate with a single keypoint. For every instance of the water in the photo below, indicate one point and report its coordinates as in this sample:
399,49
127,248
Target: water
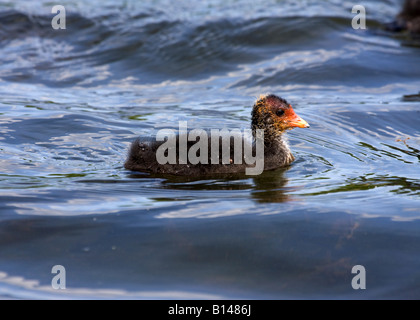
71,101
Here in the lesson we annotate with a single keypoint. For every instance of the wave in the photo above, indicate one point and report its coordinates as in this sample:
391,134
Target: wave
147,47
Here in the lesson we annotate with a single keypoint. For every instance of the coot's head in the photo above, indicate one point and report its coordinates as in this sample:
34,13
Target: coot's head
275,115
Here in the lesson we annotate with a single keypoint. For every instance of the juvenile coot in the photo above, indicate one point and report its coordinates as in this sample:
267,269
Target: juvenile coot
270,114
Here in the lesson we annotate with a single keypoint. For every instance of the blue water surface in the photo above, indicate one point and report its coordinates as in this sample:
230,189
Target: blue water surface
71,102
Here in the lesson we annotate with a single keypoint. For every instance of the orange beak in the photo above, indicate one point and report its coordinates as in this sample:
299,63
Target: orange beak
294,121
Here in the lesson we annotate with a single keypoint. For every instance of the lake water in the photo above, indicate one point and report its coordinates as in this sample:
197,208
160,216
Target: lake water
71,102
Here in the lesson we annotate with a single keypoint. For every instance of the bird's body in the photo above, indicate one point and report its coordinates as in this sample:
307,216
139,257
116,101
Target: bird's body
271,116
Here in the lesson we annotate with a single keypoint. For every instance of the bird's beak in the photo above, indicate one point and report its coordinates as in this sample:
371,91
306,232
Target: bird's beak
294,121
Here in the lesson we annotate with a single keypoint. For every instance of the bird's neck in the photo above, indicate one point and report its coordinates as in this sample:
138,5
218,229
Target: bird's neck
271,134
273,140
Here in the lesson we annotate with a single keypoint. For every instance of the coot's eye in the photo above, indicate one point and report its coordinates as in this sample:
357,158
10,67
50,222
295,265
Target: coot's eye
280,112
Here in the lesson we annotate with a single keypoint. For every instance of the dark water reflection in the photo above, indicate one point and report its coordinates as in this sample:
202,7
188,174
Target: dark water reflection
267,187
71,102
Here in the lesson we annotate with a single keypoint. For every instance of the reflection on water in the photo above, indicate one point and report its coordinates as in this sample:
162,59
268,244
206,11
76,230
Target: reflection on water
271,187
411,97
71,102
31,289
267,187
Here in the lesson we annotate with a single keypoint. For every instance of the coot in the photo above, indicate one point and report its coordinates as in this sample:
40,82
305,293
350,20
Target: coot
271,115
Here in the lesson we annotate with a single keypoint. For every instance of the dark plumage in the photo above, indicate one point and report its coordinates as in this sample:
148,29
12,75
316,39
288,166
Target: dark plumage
408,19
270,113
